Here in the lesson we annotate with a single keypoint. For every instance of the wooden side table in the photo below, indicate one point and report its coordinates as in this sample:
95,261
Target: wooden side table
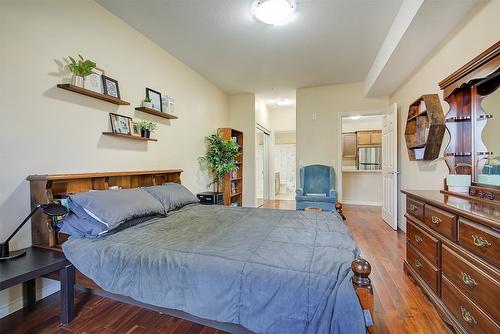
36,263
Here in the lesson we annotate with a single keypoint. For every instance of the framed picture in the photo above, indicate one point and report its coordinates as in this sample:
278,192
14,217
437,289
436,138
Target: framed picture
93,81
155,98
136,131
110,87
120,124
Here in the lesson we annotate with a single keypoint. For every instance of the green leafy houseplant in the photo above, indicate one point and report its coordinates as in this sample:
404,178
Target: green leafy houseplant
146,128
82,67
220,157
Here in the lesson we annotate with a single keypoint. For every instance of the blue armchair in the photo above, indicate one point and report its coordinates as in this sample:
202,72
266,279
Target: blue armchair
317,182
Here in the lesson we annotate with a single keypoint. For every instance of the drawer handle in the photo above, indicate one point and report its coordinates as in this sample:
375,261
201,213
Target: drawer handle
413,208
467,316
418,239
480,242
436,220
469,281
418,264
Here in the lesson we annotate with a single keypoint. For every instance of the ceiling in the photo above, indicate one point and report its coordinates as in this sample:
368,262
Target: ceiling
326,42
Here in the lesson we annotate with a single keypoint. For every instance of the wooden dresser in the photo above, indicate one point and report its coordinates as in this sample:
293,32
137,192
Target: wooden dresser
453,254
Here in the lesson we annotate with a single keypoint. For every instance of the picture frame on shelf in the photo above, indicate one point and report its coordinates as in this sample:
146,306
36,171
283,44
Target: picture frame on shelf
155,99
94,81
120,124
110,87
136,130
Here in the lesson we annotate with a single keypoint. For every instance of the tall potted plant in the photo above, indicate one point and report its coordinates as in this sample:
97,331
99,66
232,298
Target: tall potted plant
80,69
220,158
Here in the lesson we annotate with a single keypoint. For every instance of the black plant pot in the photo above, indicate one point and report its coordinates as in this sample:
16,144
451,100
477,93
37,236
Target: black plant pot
145,133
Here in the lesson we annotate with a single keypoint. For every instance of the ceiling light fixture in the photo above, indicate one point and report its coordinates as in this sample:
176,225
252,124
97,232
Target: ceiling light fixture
274,12
283,102
355,117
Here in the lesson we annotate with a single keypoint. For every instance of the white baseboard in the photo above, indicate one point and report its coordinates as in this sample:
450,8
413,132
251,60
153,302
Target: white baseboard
346,201
45,288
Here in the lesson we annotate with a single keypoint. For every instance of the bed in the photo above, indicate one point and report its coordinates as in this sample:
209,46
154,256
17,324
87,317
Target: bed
242,270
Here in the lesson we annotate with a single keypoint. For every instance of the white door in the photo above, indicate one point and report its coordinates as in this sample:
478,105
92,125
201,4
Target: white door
390,167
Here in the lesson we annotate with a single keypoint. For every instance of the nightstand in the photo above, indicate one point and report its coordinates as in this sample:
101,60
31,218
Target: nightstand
36,263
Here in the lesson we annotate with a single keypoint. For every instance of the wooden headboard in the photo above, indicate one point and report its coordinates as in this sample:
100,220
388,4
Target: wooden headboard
45,188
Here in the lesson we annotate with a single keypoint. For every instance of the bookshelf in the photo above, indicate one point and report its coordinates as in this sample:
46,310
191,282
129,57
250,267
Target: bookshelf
232,185
424,128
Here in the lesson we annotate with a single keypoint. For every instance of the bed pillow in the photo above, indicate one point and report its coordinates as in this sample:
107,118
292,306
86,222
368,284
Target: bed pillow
172,195
80,224
114,207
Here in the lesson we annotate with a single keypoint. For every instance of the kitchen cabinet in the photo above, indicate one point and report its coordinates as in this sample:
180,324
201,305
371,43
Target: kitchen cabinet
349,145
369,138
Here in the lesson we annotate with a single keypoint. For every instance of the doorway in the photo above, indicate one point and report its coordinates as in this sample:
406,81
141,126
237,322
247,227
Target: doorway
368,161
262,142
285,165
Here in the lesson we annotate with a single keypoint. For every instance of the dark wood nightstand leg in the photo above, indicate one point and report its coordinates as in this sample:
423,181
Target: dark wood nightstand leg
67,276
29,294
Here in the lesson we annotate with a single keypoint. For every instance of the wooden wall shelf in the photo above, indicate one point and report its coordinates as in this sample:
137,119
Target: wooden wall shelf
156,112
113,134
93,94
425,128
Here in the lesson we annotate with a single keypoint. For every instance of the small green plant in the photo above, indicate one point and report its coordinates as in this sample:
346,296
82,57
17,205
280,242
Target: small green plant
220,157
81,67
147,126
147,100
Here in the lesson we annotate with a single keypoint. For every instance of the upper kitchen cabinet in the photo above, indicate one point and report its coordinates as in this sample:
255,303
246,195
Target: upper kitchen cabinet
369,138
349,145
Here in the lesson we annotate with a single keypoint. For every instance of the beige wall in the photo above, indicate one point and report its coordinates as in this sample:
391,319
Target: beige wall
242,118
49,130
362,188
283,119
287,137
363,123
476,33
318,123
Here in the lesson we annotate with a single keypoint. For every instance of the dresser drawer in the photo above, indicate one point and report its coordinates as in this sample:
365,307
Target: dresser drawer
441,221
466,312
423,267
480,240
415,208
426,244
472,281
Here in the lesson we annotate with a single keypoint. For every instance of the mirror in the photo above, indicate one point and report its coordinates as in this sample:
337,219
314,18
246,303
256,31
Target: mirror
488,140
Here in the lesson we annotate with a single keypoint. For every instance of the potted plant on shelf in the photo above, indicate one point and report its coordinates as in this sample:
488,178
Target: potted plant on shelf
220,158
80,69
146,103
146,128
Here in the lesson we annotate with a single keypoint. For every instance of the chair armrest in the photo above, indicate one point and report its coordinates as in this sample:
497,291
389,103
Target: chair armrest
332,193
299,192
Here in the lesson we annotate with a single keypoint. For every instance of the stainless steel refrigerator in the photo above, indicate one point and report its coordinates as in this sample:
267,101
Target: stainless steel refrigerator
370,158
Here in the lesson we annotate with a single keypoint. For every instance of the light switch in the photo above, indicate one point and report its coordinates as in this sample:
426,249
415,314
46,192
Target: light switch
314,116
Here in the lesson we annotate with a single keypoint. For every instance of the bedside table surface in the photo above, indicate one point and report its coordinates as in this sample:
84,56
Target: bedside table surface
35,263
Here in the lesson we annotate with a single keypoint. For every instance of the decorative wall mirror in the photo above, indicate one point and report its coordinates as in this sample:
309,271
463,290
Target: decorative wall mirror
473,122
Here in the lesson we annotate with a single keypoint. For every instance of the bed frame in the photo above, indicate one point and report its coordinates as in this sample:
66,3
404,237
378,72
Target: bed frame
47,188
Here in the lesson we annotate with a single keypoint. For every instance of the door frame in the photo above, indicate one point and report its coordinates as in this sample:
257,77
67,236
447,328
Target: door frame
267,163
338,163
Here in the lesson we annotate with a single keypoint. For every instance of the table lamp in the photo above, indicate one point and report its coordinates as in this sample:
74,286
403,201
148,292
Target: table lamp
52,210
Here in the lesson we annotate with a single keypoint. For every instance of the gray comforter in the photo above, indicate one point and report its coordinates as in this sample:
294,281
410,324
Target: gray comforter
271,271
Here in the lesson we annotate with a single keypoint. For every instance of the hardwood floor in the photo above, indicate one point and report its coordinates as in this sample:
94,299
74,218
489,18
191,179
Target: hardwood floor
400,307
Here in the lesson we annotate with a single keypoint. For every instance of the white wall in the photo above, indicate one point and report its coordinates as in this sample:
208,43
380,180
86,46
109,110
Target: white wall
242,118
362,124
318,125
283,119
476,33
49,130
362,188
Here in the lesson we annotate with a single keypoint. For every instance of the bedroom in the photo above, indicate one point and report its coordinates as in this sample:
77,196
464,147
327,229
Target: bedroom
219,66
